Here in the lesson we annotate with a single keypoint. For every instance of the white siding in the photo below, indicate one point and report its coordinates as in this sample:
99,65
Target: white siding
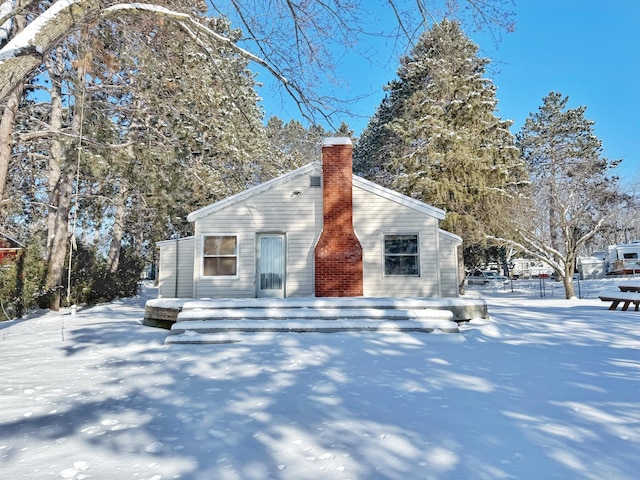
174,268
448,266
375,215
293,208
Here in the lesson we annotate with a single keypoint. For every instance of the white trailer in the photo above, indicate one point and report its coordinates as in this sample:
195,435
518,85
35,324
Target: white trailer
528,268
622,259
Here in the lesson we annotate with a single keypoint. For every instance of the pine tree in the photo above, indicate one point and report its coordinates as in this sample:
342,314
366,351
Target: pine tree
294,144
437,137
572,197
166,129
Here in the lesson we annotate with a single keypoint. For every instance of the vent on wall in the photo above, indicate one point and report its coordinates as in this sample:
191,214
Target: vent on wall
315,181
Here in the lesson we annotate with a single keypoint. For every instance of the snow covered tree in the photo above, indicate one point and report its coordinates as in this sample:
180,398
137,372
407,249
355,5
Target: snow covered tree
571,197
437,137
166,128
294,144
126,133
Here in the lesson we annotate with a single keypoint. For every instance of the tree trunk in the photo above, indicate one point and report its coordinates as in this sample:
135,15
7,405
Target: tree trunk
9,114
60,189
461,271
569,289
6,130
118,229
25,50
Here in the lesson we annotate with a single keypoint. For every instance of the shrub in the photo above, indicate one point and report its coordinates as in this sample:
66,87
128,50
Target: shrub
92,282
21,282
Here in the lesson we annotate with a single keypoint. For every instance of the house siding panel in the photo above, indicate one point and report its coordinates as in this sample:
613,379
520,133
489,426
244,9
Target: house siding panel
448,267
374,216
168,274
293,208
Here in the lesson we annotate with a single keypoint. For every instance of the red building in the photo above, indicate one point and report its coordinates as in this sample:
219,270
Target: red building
9,248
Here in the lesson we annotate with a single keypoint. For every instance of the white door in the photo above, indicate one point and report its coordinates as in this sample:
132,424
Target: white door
270,265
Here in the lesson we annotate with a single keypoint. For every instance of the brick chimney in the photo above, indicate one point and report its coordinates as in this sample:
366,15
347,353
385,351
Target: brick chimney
338,254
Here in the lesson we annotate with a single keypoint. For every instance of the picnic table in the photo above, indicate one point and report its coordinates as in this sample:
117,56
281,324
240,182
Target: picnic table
629,287
629,294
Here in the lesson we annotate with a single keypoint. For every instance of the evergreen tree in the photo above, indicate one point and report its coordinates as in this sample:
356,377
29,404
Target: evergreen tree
166,129
571,198
437,138
293,144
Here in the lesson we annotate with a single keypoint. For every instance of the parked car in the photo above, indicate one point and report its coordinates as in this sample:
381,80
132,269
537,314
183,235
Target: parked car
486,278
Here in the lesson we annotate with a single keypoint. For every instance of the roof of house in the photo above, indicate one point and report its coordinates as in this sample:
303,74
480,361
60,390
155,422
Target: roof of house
305,170
175,240
451,236
13,243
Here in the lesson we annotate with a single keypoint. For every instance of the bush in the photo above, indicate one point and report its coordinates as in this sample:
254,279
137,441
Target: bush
92,282
21,282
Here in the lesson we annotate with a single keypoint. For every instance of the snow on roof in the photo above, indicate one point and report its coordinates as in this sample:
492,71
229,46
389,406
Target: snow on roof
15,243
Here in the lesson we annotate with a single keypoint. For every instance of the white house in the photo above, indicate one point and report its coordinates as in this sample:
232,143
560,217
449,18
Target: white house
316,231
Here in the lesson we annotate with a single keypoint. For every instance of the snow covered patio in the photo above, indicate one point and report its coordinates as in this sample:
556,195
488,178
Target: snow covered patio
211,321
544,388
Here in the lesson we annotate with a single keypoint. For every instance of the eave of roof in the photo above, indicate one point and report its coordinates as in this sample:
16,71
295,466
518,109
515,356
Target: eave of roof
12,240
173,241
452,236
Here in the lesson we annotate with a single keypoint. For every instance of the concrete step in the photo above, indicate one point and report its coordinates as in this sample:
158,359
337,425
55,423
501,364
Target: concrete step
221,332
275,313
220,325
309,325
166,312
321,302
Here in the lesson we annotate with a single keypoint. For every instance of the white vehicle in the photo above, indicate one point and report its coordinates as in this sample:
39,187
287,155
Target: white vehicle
621,259
486,278
528,268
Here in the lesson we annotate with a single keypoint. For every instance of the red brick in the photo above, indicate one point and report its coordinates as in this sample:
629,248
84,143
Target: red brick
338,255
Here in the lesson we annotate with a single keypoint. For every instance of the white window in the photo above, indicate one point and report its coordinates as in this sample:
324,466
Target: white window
220,256
401,255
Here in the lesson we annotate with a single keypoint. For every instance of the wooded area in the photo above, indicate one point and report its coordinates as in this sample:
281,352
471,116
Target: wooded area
118,119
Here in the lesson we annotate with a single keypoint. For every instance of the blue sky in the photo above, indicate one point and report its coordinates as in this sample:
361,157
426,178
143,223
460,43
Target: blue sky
588,50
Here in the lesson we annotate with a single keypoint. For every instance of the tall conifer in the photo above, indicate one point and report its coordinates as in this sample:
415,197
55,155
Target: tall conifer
437,137
573,196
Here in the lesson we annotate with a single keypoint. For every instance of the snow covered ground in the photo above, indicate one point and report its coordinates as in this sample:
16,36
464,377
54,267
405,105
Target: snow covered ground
546,388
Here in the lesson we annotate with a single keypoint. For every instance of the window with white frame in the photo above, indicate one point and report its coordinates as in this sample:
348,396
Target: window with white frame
220,256
401,255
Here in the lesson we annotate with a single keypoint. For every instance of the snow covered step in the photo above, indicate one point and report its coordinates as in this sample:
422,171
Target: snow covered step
275,313
307,325
165,312
309,302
